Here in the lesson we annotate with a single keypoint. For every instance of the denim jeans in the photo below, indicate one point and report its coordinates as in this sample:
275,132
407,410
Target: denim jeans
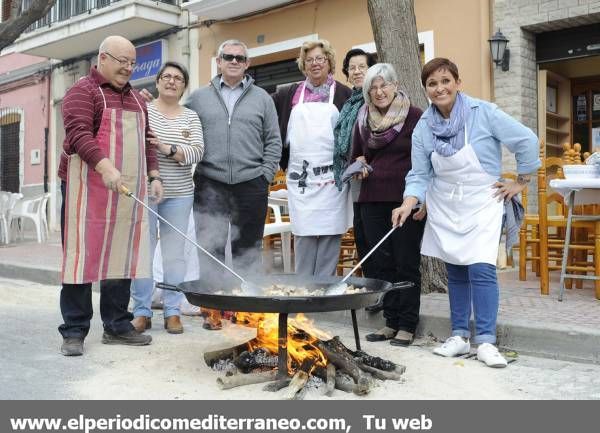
175,210
474,285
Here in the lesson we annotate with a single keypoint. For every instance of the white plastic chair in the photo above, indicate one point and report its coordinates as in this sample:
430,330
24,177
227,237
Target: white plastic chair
282,227
33,209
4,207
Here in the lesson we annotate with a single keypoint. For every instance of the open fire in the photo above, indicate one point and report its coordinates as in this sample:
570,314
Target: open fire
312,355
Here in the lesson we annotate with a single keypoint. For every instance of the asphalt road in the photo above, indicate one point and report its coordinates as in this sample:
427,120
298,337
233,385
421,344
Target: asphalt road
173,367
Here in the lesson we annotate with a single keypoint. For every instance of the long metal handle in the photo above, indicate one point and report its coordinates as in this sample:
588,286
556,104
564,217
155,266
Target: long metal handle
128,193
368,254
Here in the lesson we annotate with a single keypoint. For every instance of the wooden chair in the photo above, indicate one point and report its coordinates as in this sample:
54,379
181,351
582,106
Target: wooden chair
543,233
348,255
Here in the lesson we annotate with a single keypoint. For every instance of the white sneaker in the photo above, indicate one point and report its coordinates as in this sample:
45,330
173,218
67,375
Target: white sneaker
188,309
453,346
489,354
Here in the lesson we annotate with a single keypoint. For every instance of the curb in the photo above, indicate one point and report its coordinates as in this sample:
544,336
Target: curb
572,344
36,275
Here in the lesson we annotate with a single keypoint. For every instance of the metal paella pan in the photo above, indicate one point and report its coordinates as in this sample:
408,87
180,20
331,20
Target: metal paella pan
207,295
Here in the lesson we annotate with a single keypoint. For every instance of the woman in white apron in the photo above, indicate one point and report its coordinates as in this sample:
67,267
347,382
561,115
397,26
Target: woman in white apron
319,212
457,161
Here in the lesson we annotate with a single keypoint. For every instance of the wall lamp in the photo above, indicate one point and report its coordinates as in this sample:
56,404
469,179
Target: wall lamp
500,54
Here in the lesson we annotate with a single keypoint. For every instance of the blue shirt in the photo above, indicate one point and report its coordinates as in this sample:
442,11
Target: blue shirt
232,94
488,128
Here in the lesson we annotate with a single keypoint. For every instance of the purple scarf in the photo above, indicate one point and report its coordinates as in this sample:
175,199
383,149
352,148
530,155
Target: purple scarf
375,140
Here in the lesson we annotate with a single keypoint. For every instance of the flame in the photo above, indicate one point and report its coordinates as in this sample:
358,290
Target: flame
301,341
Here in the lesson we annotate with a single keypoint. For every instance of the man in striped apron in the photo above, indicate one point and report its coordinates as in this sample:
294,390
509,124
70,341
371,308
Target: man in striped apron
104,234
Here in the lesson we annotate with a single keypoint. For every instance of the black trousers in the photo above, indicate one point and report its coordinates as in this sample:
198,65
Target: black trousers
76,300
244,206
360,240
397,259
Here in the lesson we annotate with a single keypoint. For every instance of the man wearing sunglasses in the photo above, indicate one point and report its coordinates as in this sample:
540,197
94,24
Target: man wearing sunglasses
242,148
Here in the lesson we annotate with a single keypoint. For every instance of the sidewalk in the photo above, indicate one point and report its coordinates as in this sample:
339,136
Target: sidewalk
528,322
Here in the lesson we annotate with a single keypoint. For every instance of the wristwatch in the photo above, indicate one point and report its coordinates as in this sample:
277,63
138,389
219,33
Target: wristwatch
173,151
153,178
523,179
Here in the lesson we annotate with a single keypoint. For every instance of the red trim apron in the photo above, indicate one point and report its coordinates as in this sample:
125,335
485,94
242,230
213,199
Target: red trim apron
105,233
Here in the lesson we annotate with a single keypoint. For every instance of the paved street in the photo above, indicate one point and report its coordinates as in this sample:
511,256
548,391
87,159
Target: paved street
173,368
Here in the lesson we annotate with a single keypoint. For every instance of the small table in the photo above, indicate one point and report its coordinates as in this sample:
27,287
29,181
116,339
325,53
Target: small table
576,192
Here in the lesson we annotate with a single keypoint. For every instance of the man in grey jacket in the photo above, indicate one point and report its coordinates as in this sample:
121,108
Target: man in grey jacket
242,148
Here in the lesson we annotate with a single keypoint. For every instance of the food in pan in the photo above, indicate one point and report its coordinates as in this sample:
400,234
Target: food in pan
277,290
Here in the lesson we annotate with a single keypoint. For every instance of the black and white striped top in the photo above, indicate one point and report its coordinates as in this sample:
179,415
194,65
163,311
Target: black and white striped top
184,131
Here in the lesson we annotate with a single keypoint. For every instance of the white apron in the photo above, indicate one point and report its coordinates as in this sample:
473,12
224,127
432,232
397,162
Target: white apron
316,205
463,218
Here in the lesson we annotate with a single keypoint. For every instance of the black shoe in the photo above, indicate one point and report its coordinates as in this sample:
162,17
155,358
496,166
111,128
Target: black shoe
72,346
383,334
130,338
403,338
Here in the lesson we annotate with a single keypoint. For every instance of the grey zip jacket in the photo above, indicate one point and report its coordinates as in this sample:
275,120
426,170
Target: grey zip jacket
241,145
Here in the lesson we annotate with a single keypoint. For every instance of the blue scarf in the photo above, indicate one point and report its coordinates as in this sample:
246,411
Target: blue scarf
449,134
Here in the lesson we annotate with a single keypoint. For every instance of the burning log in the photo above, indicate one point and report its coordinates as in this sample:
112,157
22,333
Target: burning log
277,385
299,379
337,354
236,380
344,382
259,358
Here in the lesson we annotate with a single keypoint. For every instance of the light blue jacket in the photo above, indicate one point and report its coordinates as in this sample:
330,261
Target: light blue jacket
488,128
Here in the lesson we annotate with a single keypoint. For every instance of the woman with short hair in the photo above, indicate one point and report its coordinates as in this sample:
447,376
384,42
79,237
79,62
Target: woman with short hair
382,134
457,162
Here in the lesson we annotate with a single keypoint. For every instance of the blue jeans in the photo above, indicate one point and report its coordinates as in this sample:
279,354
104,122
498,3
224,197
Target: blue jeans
475,285
175,210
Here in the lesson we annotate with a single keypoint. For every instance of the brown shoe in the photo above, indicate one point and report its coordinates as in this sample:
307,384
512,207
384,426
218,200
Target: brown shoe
173,325
141,323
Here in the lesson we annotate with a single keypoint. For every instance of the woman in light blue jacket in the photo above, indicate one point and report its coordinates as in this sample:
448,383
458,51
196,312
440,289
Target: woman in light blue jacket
456,166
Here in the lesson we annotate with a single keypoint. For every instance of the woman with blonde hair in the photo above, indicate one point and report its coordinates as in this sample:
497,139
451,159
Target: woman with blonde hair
319,212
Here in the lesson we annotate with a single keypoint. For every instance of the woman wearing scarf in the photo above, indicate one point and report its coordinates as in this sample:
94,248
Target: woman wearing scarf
354,67
382,135
320,213
457,161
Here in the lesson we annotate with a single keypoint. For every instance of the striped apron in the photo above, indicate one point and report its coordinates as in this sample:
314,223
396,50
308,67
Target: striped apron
106,234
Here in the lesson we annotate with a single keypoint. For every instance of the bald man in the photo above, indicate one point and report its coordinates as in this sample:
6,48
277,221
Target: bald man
105,234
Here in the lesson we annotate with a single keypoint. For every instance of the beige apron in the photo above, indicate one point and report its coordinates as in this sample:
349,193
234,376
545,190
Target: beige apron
106,234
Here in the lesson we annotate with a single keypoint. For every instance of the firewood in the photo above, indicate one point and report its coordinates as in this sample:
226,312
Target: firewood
299,379
330,381
344,382
211,358
379,374
277,385
248,361
246,379
373,361
335,352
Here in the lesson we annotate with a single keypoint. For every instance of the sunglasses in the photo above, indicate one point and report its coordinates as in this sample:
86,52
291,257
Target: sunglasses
238,58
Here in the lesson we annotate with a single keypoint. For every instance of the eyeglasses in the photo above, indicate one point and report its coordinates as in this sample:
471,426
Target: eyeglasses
319,60
238,58
168,77
385,86
361,68
122,62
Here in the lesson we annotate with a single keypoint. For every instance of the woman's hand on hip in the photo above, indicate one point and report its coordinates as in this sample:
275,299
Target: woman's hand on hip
421,213
507,189
400,214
